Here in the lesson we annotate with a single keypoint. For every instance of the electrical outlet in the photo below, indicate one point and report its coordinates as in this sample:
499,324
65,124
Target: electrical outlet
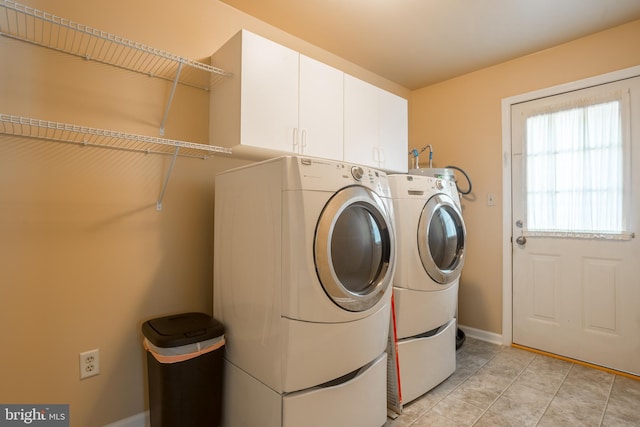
89,363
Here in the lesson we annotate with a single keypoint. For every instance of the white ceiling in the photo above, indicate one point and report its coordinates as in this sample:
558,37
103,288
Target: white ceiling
419,42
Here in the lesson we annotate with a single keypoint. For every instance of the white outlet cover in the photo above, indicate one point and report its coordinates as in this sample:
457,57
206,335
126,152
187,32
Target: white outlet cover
89,363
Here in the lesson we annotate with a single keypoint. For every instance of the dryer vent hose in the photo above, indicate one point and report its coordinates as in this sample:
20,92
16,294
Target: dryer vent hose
468,190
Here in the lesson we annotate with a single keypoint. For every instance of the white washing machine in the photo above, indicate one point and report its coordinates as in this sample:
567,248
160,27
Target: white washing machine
304,256
431,246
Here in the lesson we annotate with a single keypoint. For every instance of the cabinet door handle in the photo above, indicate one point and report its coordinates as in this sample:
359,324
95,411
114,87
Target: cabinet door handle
295,140
303,141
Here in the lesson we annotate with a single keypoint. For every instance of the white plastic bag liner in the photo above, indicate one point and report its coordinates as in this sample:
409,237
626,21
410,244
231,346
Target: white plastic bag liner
183,352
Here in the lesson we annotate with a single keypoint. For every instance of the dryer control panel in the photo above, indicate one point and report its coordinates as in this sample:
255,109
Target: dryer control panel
330,175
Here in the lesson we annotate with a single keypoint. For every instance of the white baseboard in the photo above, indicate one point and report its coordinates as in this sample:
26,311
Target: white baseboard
139,420
479,334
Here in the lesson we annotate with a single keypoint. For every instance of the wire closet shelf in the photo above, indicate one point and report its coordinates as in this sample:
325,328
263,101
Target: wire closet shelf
27,24
87,136
47,30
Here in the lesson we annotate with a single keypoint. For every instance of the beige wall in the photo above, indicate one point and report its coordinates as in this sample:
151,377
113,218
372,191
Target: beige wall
85,257
461,118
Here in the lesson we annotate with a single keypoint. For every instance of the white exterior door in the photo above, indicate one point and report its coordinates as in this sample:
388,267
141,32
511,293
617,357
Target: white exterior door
576,290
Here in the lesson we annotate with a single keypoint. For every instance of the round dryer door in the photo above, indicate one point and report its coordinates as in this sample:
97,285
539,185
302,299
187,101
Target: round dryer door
354,248
441,239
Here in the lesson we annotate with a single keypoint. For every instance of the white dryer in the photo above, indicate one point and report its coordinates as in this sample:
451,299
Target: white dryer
431,246
304,256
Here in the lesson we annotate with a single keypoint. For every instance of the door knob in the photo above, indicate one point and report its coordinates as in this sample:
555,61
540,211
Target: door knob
521,240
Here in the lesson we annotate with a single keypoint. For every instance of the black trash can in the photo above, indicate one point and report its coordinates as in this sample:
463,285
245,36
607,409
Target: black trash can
184,361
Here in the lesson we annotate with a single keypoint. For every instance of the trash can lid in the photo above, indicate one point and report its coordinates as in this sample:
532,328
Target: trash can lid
181,329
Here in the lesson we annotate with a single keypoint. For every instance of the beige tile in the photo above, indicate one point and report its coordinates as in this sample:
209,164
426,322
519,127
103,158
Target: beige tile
433,419
519,405
570,412
463,413
402,421
581,398
503,371
419,406
621,417
480,390
588,386
480,351
509,363
623,408
626,390
492,419
527,396
464,371
515,357
504,386
544,374
448,385
543,363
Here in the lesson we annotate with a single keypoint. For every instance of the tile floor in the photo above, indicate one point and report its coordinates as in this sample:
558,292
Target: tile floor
503,386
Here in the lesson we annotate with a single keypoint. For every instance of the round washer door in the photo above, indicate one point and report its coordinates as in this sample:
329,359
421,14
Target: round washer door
354,248
441,239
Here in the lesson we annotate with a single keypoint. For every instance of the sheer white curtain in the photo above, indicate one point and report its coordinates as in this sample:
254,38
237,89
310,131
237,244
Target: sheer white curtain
575,170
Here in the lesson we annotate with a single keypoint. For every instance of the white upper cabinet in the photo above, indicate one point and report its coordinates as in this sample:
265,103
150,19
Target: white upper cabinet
361,122
375,126
394,131
269,94
277,101
321,112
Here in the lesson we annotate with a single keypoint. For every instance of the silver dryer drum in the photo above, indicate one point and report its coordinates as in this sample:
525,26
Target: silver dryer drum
354,248
441,239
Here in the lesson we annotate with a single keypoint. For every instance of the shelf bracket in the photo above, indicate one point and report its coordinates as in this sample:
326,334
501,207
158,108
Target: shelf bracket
166,179
170,100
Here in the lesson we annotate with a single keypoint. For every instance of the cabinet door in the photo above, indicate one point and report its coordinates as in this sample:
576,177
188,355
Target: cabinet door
394,133
320,130
269,99
361,132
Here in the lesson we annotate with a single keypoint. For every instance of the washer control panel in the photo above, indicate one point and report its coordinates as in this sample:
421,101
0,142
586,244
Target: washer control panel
331,175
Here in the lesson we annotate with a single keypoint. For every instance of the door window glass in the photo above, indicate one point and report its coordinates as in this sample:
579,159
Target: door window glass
358,250
576,181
